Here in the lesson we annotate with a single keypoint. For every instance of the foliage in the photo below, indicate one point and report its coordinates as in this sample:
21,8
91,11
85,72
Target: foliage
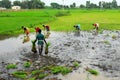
94,72
11,66
27,64
76,64
20,74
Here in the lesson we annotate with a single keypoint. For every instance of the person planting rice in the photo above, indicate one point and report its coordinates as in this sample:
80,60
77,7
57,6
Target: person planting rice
96,27
40,38
47,29
77,27
27,32
37,29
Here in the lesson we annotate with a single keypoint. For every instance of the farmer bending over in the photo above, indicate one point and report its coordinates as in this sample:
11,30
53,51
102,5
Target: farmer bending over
96,26
77,27
47,28
40,38
26,30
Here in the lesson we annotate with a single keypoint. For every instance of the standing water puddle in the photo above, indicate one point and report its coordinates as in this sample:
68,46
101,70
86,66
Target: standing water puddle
100,52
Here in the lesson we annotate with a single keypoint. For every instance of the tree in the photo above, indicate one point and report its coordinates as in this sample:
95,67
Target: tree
100,4
92,5
37,4
87,4
114,4
6,3
17,3
0,3
74,5
55,5
82,6
25,4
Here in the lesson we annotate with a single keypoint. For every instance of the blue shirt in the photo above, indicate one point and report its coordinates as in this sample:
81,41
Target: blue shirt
40,38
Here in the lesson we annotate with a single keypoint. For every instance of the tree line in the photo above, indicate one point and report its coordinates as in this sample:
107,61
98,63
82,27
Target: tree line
38,4
25,4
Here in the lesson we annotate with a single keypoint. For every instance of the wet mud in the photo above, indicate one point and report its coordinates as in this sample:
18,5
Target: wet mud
100,52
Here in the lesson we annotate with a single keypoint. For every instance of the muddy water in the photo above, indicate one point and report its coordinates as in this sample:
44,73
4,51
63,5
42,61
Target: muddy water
100,52
12,48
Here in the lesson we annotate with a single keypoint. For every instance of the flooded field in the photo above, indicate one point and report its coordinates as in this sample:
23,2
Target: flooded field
100,52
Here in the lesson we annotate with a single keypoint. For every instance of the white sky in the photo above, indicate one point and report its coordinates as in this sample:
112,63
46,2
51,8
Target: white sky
78,2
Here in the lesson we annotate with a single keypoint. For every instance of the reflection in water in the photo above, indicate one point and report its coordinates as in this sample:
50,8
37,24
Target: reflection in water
77,33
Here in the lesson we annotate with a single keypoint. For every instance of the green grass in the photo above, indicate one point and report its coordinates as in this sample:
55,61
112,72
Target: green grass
11,21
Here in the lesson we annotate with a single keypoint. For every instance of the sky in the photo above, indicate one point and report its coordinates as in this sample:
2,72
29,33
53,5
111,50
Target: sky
78,2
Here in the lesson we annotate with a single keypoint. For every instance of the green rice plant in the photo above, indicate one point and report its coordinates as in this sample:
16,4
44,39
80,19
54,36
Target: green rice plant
56,69
60,69
11,66
107,35
114,36
62,13
20,74
101,31
41,76
35,72
107,42
31,79
94,72
46,48
27,64
65,70
48,44
76,64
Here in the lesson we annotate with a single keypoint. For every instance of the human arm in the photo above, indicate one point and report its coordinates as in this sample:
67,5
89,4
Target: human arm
45,41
